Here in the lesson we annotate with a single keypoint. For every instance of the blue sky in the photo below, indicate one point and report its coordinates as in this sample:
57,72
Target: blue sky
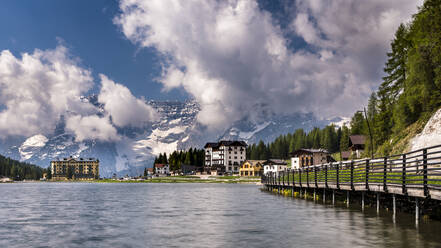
239,59
86,28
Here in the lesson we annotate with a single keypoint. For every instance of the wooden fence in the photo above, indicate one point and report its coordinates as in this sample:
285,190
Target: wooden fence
416,173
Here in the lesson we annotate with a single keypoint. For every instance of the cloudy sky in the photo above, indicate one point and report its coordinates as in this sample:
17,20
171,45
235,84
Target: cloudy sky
237,58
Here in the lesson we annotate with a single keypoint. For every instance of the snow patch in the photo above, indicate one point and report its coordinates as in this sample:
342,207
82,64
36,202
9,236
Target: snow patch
431,134
32,145
248,135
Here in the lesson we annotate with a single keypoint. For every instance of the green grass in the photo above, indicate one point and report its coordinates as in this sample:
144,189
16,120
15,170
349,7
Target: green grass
225,177
184,179
359,176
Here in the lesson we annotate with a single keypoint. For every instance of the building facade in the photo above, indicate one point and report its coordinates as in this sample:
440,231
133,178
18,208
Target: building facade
307,157
162,169
225,156
75,168
356,145
274,166
251,168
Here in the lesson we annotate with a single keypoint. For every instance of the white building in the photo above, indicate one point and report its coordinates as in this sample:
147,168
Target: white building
225,156
162,169
274,165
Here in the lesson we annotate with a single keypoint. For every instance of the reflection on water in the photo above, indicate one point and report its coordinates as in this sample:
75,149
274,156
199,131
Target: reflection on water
191,215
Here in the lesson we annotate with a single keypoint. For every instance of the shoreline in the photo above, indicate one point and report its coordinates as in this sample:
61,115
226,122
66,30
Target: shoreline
209,180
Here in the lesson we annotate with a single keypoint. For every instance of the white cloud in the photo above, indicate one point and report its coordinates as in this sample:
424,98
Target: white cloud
231,57
123,107
36,89
91,127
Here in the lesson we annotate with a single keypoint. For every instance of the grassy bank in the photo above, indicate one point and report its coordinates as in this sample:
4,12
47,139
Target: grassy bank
185,179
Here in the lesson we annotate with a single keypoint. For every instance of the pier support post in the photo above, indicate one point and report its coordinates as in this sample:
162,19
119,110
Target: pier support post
378,203
333,197
394,204
417,211
347,198
305,194
362,201
314,195
324,196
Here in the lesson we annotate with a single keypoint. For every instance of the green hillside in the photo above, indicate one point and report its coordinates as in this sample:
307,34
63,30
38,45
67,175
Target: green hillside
18,171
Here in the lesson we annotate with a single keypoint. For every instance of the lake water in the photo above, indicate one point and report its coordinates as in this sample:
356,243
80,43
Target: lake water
191,215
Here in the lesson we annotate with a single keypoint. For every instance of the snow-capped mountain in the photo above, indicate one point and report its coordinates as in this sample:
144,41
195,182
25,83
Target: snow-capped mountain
177,128
269,129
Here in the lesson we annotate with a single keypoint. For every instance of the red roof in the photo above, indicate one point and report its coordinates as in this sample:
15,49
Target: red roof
160,165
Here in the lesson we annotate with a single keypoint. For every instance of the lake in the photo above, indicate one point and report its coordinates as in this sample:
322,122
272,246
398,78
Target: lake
191,215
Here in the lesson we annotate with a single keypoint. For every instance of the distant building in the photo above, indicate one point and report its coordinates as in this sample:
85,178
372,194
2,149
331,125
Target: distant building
356,145
187,169
77,169
274,166
345,155
149,171
252,168
162,169
225,156
307,157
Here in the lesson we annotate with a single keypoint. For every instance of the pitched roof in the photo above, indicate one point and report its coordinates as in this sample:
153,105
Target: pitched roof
357,139
226,143
345,154
160,165
255,162
211,144
232,143
275,161
304,150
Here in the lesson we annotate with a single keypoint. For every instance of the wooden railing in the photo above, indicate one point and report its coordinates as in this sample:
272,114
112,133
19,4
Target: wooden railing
416,173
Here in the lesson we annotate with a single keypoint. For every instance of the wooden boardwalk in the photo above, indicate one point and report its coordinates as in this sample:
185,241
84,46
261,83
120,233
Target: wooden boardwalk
413,174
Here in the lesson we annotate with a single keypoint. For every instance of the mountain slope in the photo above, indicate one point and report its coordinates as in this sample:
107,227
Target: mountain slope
177,128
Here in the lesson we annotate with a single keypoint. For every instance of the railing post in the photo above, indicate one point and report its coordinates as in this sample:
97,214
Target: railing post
293,177
315,176
404,175
278,178
367,174
352,174
385,175
426,188
283,178
337,176
326,175
307,176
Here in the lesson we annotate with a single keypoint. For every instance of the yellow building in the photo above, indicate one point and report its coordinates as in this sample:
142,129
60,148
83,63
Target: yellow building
251,168
77,169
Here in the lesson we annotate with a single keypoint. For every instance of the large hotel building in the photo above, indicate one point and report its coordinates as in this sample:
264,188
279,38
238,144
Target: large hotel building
77,169
225,156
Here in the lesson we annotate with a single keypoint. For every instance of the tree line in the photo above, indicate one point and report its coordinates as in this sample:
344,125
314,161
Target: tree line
18,170
192,156
411,88
330,138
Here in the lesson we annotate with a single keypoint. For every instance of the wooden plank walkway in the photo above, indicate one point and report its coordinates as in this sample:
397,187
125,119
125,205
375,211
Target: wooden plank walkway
414,174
